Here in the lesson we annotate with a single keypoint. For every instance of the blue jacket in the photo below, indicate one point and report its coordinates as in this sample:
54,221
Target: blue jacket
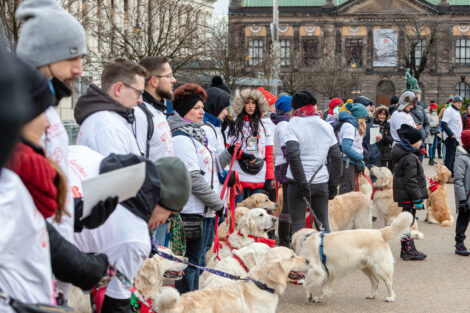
346,144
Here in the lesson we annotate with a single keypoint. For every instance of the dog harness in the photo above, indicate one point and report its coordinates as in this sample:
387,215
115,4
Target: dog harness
322,254
236,257
269,242
375,189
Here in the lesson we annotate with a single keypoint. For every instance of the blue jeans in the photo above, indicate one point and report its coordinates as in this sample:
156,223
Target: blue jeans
208,235
160,233
433,147
247,193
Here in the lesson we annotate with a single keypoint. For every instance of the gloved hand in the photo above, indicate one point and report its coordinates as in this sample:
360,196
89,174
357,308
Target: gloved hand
305,190
240,154
232,181
423,151
220,212
332,191
231,149
268,187
463,206
98,216
360,166
418,204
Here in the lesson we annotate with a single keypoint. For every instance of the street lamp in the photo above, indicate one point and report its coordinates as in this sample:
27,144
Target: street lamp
137,27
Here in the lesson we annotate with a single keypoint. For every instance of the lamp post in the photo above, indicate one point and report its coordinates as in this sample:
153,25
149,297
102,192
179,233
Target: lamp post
276,49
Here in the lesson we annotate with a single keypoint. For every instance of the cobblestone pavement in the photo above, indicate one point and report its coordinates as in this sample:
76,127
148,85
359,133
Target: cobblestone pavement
439,284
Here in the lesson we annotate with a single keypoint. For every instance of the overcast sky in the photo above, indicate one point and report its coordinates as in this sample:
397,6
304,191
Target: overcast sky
221,7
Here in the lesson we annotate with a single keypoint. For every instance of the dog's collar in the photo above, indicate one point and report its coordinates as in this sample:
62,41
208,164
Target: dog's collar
262,286
378,188
236,257
322,254
305,238
269,242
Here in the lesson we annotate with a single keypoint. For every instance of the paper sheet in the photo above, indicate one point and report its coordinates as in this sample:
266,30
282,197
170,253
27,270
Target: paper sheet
124,183
374,132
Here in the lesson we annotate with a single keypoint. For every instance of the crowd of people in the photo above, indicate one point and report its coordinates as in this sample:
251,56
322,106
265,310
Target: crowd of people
47,242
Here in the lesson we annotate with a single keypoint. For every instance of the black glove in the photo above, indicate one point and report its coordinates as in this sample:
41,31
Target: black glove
99,214
268,186
231,181
304,190
241,155
220,212
332,191
463,206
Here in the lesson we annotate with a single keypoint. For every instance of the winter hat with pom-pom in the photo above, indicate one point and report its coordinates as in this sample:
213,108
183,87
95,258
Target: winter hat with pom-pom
357,110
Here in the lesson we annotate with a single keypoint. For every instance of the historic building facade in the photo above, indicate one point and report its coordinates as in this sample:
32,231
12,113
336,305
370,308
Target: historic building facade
368,37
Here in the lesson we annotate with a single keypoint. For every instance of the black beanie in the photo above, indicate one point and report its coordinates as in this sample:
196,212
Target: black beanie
409,132
302,98
185,104
364,101
216,101
394,100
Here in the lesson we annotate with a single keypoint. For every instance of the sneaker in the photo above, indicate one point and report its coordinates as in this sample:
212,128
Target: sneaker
460,249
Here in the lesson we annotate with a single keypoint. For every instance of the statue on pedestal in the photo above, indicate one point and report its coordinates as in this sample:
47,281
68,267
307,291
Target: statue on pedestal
411,83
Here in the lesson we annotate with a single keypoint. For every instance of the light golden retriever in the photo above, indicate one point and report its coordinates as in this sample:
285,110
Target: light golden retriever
365,185
258,200
438,212
352,210
275,269
148,280
388,209
250,256
224,226
346,251
255,223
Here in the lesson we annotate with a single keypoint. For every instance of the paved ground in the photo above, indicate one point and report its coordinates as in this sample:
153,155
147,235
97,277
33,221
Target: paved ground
439,284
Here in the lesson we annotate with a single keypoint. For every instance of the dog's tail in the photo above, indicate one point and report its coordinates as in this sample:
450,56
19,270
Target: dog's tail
401,225
166,300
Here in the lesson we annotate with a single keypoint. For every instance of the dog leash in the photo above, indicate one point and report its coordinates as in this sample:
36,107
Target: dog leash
307,202
170,257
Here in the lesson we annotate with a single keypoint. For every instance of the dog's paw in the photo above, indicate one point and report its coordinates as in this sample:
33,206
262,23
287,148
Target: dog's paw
370,296
389,299
321,299
417,234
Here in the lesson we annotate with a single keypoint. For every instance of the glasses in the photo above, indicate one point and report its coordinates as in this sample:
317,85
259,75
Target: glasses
169,76
139,92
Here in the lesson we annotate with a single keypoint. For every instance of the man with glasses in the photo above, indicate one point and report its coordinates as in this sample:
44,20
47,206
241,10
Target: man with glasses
106,114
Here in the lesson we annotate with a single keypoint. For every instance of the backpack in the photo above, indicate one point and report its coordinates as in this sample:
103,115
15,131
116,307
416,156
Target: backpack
150,127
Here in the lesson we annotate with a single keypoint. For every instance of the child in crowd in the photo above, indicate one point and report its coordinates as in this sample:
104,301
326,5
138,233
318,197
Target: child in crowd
462,189
409,183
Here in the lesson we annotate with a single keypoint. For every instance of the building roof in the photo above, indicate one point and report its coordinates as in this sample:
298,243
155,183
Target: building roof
311,3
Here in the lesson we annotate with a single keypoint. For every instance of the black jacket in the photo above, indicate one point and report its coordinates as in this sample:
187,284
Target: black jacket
385,145
371,152
409,182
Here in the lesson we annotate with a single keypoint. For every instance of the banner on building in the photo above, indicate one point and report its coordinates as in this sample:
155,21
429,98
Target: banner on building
385,47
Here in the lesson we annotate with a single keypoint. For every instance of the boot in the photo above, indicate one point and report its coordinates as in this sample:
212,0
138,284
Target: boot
284,234
408,250
431,162
460,249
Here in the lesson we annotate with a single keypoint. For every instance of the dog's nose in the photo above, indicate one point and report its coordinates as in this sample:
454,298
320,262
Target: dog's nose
307,261
274,219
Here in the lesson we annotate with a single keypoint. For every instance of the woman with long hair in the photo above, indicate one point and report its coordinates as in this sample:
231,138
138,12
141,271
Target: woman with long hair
384,138
255,138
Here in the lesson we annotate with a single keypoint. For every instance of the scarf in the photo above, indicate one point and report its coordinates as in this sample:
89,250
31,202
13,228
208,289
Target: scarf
212,119
306,110
279,116
195,131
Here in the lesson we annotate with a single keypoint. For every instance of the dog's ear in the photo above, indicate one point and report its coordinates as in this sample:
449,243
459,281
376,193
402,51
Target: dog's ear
146,276
243,226
277,275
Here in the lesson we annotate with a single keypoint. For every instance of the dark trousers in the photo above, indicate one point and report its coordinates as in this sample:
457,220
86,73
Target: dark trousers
284,216
297,206
387,164
409,208
463,218
247,192
451,146
348,179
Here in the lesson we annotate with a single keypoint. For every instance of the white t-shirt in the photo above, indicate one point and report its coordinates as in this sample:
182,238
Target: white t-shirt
453,119
196,157
399,118
348,131
313,148
25,261
254,145
124,237
279,134
107,132
56,143
161,143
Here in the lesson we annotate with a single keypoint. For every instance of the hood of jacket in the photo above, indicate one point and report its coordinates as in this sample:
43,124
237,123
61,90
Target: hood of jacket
96,100
217,100
378,109
462,151
148,195
240,100
159,105
176,121
402,148
345,116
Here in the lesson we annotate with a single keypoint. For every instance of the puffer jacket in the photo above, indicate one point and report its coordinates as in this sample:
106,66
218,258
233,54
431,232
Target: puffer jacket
372,154
385,145
461,175
409,182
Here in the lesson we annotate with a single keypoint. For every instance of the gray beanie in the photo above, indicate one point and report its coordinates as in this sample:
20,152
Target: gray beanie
175,187
49,33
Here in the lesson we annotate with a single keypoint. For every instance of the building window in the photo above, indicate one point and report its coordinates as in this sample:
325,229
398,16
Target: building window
420,46
462,52
354,52
255,51
311,50
463,89
285,52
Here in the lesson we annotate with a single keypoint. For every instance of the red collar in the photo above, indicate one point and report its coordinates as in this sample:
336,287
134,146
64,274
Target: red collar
375,189
266,241
236,257
433,184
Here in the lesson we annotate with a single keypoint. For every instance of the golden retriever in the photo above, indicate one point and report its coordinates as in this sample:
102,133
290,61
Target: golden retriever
148,280
274,270
365,185
347,251
250,256
352,210
258,200
438,212
255,223
224,226
388,209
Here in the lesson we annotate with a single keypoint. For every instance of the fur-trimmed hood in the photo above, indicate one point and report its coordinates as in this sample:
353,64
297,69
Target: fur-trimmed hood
381,108
240,100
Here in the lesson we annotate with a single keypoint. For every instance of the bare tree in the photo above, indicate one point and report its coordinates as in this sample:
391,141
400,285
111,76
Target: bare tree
10,24
293,79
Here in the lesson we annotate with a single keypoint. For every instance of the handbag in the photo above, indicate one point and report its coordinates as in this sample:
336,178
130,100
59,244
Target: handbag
193,226
250,167
435,130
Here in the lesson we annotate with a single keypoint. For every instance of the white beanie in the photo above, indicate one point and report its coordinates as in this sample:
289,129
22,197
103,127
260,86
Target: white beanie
406,99
49,33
